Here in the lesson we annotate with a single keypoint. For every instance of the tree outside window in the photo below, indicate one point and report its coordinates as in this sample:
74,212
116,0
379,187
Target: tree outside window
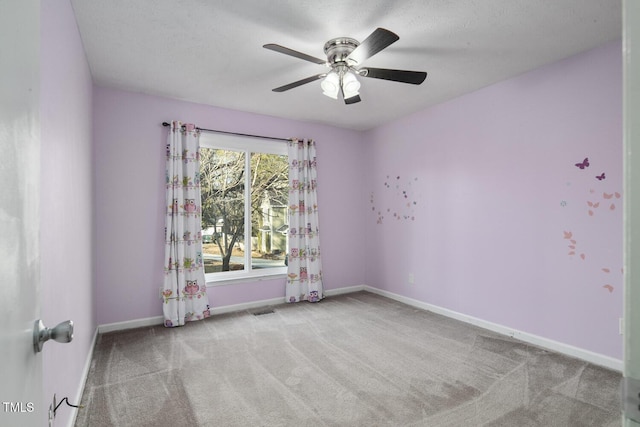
244,209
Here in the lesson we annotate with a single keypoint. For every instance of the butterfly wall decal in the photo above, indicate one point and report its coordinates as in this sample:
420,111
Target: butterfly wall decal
600,177
584,164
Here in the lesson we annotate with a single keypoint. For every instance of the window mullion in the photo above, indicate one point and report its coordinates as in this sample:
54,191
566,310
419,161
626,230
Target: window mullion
247,211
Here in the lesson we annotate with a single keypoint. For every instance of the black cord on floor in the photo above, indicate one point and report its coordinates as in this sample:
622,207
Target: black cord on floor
68,404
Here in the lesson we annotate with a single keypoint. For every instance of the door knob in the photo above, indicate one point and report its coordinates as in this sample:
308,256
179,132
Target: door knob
63,332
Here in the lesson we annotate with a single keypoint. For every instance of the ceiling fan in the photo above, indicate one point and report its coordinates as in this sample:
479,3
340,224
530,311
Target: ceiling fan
344,58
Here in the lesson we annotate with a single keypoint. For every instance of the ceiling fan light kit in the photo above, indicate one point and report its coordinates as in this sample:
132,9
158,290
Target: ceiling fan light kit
344,56
331,85
350,85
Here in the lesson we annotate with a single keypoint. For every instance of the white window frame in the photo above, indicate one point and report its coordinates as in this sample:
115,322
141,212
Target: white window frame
247,145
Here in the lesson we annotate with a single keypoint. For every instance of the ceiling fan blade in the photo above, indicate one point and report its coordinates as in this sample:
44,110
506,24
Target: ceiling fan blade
373,44
291,52
402,76
299,83
352,100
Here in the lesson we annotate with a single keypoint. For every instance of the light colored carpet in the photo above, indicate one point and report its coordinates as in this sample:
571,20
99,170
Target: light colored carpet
351,360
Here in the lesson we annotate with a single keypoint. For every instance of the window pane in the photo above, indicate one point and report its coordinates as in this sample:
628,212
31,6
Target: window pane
222,180
269,201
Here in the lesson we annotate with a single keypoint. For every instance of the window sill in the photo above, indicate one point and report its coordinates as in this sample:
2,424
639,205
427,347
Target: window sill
248,278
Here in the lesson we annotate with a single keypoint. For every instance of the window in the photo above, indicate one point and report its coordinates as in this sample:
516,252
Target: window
244,183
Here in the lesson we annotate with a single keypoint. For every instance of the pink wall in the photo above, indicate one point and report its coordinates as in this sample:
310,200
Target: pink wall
66,202
491,188
129,195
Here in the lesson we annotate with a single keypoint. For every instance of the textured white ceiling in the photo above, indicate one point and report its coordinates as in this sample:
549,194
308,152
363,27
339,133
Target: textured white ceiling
211,52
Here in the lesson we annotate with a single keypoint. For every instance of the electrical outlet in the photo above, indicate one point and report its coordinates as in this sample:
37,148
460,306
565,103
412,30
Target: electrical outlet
620,325
51,415
412,280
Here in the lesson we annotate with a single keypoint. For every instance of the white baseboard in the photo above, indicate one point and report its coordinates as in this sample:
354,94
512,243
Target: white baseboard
247,305
130,324
347,290
586,355
159,320
83,378
569,350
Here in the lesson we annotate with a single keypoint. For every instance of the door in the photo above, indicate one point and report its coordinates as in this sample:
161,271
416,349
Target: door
631,90
20,367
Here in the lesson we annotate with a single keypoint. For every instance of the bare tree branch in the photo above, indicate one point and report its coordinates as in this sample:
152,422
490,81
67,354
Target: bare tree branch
222,181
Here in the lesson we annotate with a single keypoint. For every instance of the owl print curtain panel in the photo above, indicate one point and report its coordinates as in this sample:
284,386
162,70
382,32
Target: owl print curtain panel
304,272
184,291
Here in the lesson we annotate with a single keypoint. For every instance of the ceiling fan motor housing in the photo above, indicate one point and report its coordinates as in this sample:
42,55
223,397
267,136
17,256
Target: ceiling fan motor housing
338,49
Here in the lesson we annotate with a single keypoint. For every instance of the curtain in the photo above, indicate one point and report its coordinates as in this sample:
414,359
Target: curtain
184,292
304,273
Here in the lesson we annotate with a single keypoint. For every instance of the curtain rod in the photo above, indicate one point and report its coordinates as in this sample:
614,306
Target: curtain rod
234,133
